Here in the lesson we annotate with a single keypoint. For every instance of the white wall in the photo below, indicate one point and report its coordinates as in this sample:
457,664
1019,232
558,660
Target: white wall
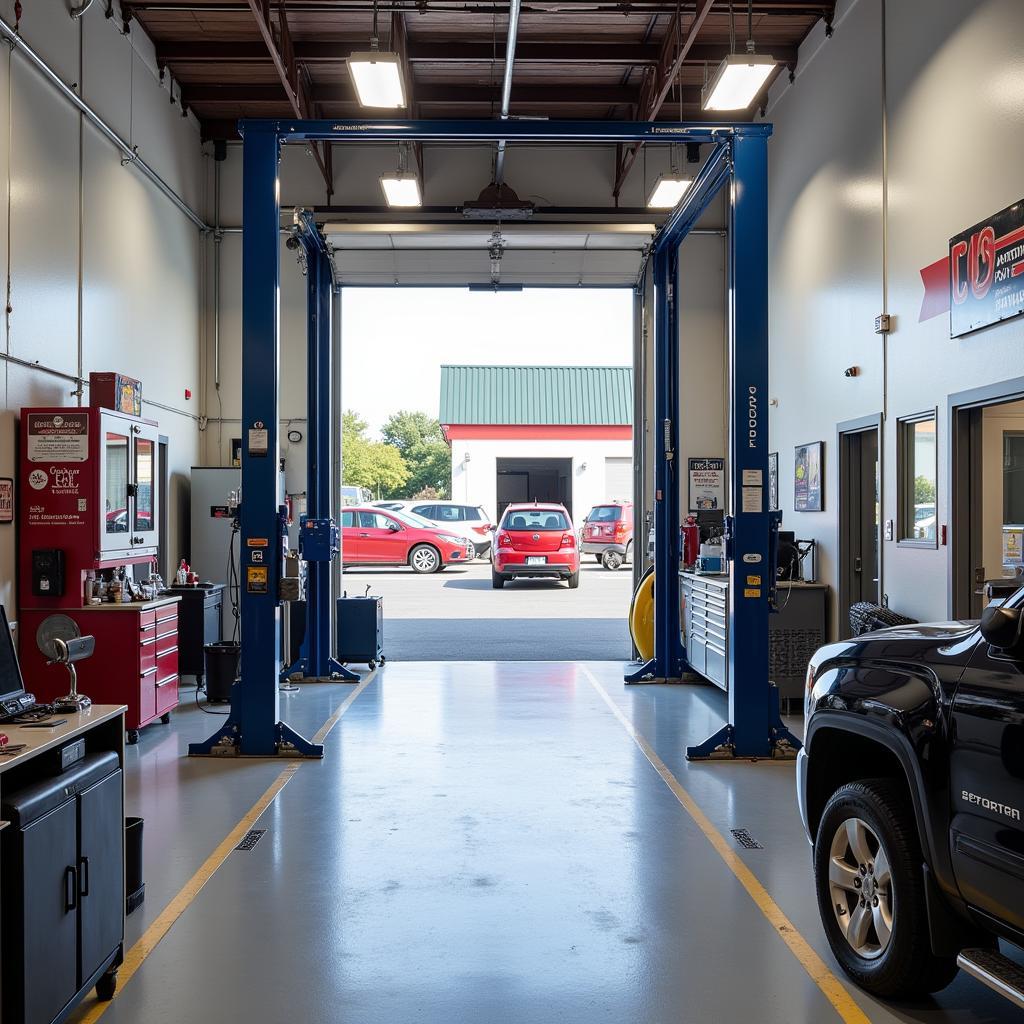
104,270
476,482
954,104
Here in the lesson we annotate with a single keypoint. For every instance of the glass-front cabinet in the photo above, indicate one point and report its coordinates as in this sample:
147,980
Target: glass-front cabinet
127,454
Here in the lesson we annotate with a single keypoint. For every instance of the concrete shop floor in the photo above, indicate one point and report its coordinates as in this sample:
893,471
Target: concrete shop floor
483,842
456,614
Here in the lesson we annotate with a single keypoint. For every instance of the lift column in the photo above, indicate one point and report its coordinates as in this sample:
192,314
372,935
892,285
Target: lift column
754,728
253,726
319,542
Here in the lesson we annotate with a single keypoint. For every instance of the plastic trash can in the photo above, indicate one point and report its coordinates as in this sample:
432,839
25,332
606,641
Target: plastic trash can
134,886
221,669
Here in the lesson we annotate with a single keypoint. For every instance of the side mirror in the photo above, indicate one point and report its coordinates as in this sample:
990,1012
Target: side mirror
1001,627
393,526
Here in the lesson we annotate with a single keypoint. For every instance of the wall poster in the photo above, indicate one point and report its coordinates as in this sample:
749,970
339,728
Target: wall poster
986,272
808,492
707,485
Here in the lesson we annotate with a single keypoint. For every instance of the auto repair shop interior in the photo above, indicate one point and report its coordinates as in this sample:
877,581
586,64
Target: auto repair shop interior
220,797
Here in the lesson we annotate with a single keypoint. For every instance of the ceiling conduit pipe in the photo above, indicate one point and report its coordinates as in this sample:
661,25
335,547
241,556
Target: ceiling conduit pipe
506,86
130,155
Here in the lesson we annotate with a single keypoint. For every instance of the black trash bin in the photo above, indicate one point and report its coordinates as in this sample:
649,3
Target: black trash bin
221,669
134,886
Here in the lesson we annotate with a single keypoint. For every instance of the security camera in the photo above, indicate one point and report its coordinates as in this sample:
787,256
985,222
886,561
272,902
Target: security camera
851,371
292,242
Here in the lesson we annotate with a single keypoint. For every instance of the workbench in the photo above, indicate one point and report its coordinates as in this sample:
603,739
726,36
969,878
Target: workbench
62,896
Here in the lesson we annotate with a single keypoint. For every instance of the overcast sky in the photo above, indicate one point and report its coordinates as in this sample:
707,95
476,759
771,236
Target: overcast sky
394,340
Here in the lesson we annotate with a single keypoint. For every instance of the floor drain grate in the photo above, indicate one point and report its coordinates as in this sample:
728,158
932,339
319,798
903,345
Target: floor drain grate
745,839
251,839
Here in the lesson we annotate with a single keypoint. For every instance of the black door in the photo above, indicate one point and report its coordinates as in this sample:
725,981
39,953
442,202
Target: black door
49,921
859,521
100,873
987,784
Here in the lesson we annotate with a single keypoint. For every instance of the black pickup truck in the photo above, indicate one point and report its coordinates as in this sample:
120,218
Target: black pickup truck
911,789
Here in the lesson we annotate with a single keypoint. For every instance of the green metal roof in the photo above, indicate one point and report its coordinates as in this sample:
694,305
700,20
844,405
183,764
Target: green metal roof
537,395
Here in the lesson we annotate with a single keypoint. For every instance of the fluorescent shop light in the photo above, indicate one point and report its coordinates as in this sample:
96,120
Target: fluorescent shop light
737,81
401,189
377,77
667,192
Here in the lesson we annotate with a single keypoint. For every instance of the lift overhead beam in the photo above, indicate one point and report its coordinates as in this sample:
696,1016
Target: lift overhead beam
739,160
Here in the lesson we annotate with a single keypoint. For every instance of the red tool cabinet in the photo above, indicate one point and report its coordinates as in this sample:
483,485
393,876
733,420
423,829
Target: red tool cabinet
88,498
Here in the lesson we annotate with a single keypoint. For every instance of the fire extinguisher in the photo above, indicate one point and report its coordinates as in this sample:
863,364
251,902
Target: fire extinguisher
689,534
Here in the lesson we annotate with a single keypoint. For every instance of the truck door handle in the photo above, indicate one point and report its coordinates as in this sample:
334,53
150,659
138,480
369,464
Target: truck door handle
364,535
70,889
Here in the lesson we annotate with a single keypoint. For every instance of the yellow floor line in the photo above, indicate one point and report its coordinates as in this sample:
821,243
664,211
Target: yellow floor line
820,974
325,730
152,936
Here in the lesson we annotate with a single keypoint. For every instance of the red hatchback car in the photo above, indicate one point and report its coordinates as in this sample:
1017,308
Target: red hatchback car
535,540
373,536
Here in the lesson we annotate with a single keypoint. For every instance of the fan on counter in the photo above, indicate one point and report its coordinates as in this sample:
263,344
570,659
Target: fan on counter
61,642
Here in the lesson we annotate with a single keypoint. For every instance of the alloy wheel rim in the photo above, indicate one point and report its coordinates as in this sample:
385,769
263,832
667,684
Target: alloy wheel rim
424,560
860,888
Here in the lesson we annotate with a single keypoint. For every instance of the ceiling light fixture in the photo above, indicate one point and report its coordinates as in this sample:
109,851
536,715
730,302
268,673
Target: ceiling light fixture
670,187
401,188
740,77
377,75
667,192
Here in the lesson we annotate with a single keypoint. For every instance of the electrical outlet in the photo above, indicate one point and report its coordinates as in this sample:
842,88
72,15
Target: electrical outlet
883,323
889,529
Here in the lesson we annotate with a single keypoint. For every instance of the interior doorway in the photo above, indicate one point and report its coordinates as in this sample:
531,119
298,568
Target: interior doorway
859,515
988,493
534,480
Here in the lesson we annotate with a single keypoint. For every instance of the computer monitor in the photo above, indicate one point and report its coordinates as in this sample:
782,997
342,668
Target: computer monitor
12,684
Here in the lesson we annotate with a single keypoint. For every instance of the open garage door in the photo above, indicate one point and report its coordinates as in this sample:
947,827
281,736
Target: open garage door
534,480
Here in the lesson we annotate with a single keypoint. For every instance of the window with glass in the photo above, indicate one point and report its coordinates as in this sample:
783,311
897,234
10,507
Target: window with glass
116,482
918,478
144,484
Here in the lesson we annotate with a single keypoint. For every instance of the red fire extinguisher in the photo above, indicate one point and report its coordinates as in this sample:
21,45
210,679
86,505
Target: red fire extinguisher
690,534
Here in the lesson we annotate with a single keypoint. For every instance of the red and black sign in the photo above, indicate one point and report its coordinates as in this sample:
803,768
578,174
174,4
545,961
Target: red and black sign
986,272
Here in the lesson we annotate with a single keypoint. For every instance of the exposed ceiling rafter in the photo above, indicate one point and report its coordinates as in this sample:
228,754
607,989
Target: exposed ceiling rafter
658,83
292,76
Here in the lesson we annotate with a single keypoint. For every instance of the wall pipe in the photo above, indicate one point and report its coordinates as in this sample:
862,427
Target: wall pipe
218,236
506,85
16,42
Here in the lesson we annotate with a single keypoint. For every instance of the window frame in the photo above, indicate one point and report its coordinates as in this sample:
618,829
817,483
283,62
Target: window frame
905,466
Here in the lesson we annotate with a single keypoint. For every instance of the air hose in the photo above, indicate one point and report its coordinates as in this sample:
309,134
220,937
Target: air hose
641,615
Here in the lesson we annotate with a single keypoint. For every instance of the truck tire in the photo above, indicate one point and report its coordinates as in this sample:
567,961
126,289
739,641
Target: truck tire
870,888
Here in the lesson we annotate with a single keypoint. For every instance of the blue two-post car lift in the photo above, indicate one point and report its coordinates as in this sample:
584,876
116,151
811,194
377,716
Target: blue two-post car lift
740,158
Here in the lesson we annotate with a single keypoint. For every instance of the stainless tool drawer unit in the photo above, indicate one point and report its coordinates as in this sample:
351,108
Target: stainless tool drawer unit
795,632
706,625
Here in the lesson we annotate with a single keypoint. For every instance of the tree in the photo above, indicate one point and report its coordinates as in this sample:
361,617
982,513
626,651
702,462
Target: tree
372,464
420,440
924,491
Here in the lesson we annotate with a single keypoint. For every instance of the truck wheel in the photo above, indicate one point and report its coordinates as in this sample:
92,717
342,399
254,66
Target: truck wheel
424,559
870,887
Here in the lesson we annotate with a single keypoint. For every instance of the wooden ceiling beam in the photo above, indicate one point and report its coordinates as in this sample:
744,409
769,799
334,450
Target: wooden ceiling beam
330,53
291,75
659,81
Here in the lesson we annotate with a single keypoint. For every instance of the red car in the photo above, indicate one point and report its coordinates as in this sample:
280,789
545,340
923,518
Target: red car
373,536
535,540
608,533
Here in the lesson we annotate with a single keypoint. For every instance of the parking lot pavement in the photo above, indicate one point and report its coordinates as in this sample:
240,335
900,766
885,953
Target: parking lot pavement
456,615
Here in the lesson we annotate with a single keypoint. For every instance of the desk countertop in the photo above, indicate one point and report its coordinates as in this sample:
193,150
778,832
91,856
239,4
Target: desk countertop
130,606
40,740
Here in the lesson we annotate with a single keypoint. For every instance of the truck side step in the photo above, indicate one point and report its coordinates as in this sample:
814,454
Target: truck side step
995,971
